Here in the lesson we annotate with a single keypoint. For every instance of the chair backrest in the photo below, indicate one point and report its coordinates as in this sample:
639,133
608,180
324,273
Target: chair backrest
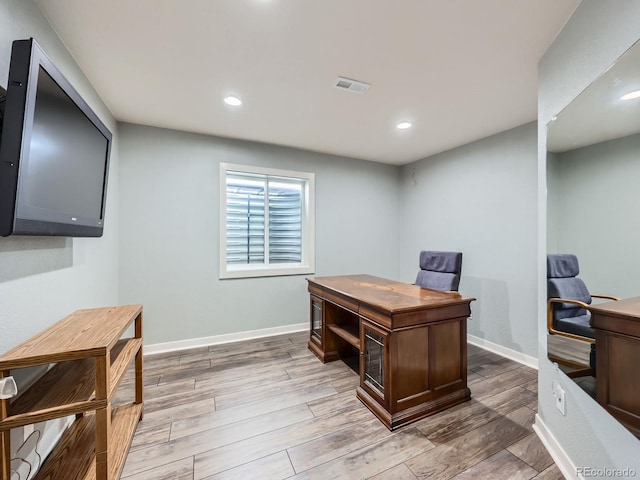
562,282
440,270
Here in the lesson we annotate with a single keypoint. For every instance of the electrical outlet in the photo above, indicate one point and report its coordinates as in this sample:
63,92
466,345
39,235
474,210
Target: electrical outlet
560,403
558,394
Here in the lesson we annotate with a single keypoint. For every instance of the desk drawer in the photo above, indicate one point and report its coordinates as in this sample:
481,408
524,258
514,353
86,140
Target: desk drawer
343,301
315,289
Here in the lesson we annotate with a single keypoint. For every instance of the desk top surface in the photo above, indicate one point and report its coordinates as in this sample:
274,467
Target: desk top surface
627,307
619,317
388,294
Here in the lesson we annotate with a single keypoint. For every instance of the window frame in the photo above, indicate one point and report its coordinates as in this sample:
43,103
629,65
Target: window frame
307,265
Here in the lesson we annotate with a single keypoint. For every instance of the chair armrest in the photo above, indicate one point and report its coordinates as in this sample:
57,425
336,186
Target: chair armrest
610,297
566,300
550,327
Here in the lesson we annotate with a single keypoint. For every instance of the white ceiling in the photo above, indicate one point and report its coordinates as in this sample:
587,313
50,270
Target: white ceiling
459,70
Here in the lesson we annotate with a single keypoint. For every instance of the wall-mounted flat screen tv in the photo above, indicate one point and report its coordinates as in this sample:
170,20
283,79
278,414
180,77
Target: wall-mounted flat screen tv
54,152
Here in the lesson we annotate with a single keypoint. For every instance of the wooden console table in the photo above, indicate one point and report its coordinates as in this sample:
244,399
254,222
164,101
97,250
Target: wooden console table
90,360
411,341
617,326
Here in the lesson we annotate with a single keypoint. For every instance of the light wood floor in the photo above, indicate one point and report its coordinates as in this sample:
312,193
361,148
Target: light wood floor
268,409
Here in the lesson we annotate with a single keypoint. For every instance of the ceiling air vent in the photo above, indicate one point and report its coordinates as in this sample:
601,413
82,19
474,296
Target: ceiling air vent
351,85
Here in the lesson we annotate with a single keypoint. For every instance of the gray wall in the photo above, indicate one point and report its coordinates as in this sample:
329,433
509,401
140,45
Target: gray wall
597,198
596,35
169,232
480,199
43,279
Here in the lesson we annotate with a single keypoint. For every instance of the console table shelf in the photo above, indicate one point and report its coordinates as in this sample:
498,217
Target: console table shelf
90,360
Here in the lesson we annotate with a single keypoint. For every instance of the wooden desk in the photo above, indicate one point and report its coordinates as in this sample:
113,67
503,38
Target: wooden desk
412,342
617,326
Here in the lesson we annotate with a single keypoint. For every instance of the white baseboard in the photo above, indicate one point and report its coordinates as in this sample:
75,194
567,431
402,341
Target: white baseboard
226,338
503,351
564,463
300,327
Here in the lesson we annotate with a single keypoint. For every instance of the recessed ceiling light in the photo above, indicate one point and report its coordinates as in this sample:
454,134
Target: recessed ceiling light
403,125
233,101
631,95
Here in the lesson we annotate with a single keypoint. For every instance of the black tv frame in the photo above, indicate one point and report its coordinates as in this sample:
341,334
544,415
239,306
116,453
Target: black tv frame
26,59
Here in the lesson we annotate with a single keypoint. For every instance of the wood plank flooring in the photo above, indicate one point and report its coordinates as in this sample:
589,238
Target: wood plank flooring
269,409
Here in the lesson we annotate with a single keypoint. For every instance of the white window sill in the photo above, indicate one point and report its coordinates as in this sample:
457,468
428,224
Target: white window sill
250,271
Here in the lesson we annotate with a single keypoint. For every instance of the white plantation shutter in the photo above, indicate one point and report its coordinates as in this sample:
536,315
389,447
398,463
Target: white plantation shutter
245,219
285,222
264,219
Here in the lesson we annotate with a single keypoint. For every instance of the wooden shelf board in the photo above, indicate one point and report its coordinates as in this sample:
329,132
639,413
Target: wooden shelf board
68,383
122,355
74,456
123,425
75,453
348,335
84,333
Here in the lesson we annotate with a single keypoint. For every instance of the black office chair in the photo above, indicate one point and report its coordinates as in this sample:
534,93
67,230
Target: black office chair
440,270
568,308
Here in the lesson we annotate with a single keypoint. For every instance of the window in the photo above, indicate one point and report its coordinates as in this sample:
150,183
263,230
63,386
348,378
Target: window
266,222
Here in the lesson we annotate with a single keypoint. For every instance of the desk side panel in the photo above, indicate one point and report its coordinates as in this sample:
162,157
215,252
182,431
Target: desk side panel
411,365
618,385
448,356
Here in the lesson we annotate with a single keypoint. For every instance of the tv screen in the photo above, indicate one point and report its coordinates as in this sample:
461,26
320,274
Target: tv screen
54,153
